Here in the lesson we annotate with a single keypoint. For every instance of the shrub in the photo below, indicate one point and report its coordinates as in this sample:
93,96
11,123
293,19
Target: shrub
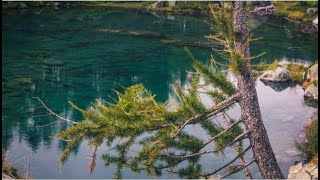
309,148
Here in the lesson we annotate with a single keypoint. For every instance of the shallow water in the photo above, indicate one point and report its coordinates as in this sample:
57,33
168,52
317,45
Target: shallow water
60,56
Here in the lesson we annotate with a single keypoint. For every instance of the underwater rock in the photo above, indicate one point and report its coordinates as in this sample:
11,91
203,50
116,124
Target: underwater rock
23,81
280,74
21,6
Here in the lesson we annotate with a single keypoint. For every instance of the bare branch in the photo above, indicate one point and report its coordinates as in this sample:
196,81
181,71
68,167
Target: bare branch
41,115
238,138
242,153
48,124
53,113
211,112
222,132
245,166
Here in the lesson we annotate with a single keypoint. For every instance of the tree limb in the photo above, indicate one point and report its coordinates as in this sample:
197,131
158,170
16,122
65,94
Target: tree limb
53,113
245,166
242,153
238,138
211,112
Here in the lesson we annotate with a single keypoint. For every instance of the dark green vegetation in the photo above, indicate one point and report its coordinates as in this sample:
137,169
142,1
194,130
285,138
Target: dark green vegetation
310,148
295,10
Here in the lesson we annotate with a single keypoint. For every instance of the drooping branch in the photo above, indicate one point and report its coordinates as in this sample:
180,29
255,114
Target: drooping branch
53,113
243,167
242,153
211,112
238,138
222,132
237,149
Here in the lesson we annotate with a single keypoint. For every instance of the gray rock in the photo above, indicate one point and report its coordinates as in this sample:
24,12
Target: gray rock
172,3
261,3
303,171
311,92
158,4
280,74
21,6
312,11
312,73
296,168
315,21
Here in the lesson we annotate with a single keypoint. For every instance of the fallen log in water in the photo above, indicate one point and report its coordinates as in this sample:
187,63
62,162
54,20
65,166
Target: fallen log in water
165,38
192,43
264,10
133,33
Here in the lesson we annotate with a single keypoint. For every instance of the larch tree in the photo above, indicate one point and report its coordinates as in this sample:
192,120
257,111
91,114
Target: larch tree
157,131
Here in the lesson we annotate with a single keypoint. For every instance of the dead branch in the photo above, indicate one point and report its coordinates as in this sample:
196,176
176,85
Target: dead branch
264,10
222,132
238,138
245,166
242,153
53,113
211,112
237,149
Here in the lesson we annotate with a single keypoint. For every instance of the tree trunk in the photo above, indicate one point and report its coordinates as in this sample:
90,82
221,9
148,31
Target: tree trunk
249,104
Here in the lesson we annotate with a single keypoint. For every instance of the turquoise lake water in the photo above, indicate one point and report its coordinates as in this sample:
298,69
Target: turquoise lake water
60,55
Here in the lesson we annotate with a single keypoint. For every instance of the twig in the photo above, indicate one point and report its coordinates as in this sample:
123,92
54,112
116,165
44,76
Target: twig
245,166
211,112
238,138
41,115
218,135
48,124
62,118
214,172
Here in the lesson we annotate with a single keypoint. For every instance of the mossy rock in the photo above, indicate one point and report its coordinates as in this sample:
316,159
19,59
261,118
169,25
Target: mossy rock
24,81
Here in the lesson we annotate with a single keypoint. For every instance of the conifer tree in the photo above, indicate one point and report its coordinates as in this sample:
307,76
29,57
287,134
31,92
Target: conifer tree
157,130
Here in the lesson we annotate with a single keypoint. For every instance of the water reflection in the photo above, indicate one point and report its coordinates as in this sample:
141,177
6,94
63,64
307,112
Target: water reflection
57,55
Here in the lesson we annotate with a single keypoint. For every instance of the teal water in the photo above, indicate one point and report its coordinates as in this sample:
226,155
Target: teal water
60,56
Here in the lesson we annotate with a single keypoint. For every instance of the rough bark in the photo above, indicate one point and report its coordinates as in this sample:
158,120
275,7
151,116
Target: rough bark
249,104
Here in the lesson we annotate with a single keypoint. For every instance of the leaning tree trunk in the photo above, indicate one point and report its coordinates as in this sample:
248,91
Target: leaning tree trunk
249,104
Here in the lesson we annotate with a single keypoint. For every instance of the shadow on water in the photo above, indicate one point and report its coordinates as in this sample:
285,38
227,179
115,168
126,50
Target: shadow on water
58,56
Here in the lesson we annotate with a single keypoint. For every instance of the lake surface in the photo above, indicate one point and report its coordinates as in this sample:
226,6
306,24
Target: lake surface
60,55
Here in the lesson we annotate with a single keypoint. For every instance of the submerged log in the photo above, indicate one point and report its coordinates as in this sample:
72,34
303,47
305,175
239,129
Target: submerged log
165,38
264,10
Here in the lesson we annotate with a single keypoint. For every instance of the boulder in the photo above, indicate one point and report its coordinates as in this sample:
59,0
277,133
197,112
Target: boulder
312,73
312,11
21,6
172,3
315,21
311,92
279,74
158,4
303,171
261,3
